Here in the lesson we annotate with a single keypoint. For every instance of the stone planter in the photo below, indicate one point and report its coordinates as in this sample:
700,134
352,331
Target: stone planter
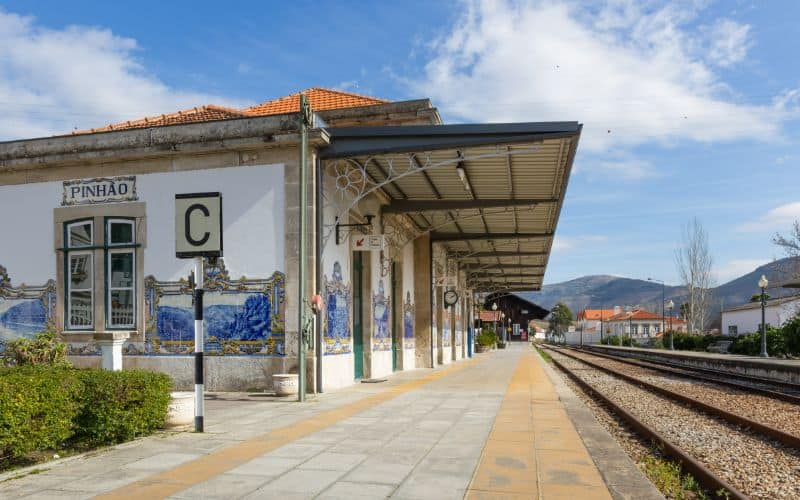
284,384
481,348
181,410
501,345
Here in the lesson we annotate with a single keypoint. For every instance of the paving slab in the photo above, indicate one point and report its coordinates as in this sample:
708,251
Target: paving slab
491,427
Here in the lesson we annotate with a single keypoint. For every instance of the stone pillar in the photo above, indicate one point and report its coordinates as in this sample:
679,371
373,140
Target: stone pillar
422,301
111,349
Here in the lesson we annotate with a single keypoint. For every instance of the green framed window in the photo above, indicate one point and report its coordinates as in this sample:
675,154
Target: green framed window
120,273
79,286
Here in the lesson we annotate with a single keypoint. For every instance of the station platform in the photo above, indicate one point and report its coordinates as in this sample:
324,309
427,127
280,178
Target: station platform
783,370
500,425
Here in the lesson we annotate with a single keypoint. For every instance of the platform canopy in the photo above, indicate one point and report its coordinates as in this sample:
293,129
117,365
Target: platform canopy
491,194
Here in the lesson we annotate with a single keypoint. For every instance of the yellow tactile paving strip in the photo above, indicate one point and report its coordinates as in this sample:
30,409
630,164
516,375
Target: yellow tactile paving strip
169,482
533,450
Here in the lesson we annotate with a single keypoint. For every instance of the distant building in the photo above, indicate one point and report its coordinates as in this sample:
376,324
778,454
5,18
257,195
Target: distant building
591,319
746,318
517,313
639,323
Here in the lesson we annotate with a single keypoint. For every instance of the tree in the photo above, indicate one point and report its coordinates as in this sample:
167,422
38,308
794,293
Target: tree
694,262
790,244
560,318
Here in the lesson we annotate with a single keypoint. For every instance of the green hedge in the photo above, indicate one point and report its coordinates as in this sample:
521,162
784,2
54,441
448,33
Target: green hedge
46,407
38,408
617,340
118,406
691,342
750,344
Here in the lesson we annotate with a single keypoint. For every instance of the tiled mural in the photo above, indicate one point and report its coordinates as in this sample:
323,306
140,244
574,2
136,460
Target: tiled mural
458,325
380,314
24,310
244,316
338,297
446,328
408,323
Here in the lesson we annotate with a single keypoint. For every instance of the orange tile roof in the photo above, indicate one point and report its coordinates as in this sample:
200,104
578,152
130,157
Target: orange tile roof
595,314
207,113
320,99
636,314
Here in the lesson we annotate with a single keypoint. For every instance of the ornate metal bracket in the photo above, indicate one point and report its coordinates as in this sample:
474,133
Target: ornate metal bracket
361,227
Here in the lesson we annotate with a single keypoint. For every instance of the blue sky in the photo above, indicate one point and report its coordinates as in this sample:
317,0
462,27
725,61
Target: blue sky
689,108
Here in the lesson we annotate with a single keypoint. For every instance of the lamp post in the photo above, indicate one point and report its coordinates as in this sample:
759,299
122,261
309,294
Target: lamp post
762,284
662,300
670,305
630,328
494,316
503,325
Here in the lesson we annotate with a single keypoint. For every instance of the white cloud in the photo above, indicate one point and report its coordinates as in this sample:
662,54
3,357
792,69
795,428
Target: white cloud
779,218
737,267
55,80
729,42
630,73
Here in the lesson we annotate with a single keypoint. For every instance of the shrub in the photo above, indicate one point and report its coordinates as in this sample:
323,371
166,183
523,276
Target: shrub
791,336
38,407
487,337
44,349
617,340
692,342
118,406
750,344
44,407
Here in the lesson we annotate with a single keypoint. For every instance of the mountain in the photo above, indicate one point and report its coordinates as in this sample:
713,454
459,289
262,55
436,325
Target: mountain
602,291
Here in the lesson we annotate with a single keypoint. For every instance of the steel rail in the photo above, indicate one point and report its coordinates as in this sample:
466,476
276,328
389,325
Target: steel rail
650,365
776,434
705,476
766,381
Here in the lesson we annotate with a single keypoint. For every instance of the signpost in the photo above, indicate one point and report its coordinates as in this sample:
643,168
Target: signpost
368,242
198,234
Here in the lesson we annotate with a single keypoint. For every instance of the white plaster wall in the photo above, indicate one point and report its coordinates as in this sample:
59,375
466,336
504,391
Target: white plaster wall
409,354
26,231
337,371
253,208
748,320
253,218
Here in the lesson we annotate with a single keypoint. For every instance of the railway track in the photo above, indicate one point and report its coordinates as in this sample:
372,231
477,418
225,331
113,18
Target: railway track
723,450
788,391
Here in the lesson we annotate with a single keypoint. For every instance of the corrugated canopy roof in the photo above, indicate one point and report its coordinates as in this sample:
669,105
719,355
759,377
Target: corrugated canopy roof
500,229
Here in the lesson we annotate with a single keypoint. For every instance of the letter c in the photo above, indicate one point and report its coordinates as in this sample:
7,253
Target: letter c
187,225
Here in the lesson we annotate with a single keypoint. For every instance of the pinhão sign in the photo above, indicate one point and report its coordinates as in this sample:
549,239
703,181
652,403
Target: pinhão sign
99,190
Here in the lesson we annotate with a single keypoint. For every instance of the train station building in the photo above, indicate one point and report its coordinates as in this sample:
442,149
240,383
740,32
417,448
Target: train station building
412,223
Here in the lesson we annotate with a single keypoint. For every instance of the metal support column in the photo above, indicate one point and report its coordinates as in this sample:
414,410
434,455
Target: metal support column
305,119
199,385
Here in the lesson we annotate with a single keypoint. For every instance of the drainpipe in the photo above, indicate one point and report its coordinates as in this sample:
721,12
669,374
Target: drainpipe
318,262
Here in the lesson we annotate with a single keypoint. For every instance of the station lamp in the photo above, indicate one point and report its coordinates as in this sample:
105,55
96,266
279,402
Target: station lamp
762,284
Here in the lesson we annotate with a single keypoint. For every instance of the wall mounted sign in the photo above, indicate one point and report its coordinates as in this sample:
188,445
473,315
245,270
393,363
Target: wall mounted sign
198,225
99,190
368,242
